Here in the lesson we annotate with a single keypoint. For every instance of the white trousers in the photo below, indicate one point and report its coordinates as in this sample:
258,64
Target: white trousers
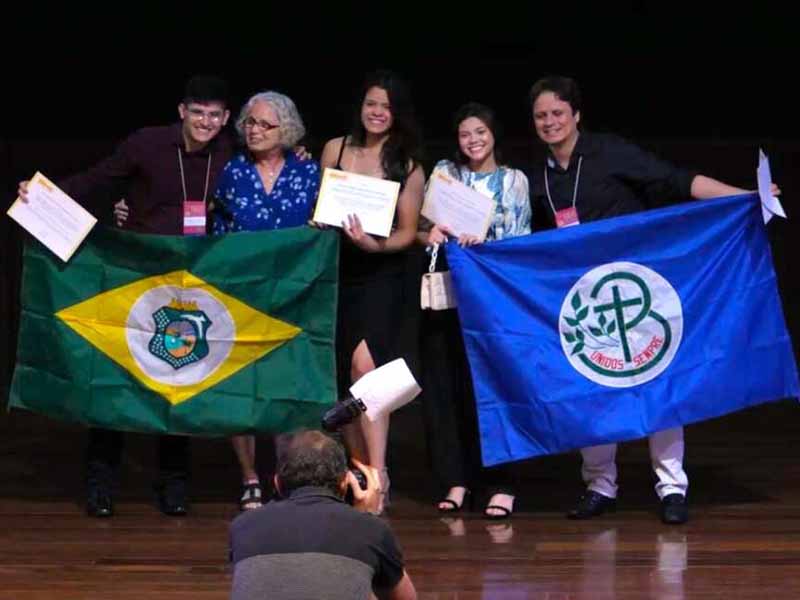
666,455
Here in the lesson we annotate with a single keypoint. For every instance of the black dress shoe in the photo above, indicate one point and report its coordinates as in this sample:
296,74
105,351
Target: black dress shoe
98,502
592,504
674,510
172,498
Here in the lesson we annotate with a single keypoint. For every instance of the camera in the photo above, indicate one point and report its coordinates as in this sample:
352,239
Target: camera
360,477
343,412
362,483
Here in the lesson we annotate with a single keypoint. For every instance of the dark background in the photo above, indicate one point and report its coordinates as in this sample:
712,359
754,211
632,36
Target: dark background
647,69
704,86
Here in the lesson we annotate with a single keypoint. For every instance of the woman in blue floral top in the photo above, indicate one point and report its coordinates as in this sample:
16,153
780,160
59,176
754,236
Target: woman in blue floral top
267,186
449,401
264,187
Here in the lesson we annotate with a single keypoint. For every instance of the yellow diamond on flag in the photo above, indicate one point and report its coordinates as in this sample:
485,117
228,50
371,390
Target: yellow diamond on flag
175,333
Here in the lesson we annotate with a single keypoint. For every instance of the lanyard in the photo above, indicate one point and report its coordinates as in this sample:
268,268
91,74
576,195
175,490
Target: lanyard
574,188
183,176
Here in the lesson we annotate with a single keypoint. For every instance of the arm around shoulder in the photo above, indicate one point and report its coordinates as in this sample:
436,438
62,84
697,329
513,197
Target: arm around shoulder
705,187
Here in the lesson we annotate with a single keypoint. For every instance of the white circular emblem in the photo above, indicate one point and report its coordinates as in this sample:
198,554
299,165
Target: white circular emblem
621,324
179,336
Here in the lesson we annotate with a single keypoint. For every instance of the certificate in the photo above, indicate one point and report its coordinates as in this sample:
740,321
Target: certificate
385,389
52,217
373,200
465,211
770,205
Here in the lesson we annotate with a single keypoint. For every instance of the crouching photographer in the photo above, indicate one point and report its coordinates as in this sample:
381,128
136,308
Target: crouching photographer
310,543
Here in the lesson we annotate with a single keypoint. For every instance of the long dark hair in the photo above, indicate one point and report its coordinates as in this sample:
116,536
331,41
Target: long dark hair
487,116
403,147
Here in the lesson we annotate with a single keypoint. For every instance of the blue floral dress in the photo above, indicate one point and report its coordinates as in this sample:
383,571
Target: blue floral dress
241,204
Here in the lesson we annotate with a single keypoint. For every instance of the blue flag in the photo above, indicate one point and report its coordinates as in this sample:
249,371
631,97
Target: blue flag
623,327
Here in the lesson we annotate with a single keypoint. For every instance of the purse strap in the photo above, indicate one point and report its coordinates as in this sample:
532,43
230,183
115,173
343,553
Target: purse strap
434,256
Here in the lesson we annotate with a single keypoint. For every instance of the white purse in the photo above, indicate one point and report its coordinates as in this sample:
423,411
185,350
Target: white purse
436,290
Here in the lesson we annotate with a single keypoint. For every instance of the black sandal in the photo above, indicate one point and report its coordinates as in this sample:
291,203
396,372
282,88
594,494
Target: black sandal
251,496
505,513
453,505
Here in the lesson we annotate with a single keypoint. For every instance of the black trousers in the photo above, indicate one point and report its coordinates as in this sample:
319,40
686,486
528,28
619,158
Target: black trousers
449,410
104,455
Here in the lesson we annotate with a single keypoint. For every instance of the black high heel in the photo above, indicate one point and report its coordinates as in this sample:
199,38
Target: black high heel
505,513
453,505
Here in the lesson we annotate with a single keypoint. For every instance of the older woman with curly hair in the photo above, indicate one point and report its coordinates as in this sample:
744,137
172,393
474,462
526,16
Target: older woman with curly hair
266,186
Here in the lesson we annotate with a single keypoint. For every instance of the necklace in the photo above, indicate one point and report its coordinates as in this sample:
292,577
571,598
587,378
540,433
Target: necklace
272,172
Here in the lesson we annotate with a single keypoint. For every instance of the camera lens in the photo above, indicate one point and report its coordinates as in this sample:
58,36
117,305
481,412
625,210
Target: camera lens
344,412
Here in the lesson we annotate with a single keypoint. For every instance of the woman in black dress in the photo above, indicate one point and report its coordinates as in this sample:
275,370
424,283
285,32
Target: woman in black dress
384,142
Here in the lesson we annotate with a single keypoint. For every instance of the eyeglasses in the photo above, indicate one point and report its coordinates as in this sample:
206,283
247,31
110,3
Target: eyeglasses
198,114
250,123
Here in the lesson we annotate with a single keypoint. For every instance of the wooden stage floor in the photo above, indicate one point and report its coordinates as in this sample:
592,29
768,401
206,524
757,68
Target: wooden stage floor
743,539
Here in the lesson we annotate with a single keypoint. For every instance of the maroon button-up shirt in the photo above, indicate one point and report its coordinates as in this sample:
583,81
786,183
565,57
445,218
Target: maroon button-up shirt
148,162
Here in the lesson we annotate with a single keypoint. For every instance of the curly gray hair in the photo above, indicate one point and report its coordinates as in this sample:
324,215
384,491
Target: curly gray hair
292,128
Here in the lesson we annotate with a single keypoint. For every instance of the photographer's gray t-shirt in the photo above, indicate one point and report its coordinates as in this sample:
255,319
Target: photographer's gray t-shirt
312,545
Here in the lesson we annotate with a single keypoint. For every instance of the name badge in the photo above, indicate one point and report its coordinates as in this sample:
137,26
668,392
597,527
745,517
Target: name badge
567,217
194,217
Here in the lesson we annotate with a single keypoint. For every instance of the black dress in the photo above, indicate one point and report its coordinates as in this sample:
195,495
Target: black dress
372,297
